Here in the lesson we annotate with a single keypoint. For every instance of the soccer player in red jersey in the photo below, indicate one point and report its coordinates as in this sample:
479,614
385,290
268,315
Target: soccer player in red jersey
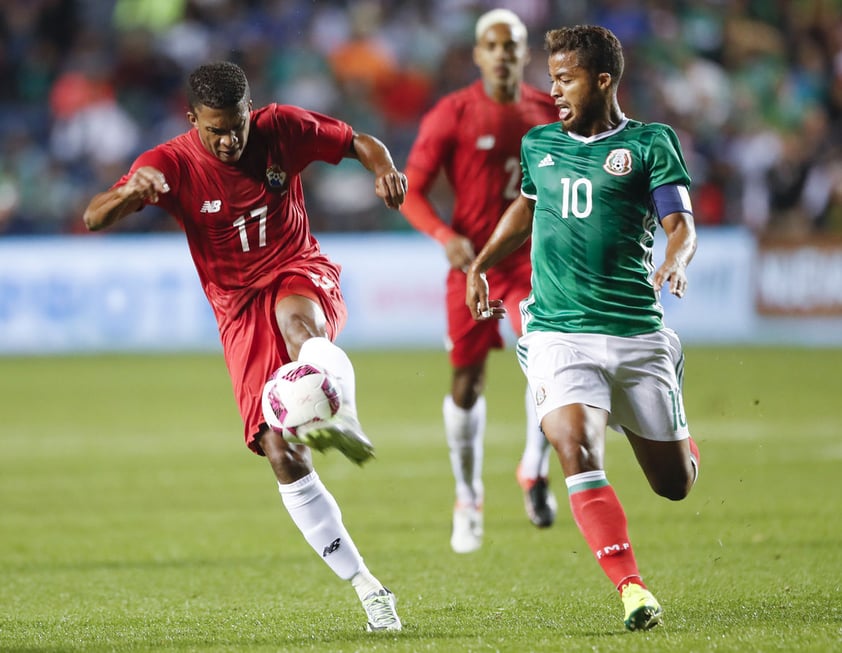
474,135
232,183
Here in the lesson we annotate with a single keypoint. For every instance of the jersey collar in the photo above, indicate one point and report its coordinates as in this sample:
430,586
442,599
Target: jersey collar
598,137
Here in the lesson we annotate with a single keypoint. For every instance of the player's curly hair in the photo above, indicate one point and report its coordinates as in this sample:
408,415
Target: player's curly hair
217,85
597,49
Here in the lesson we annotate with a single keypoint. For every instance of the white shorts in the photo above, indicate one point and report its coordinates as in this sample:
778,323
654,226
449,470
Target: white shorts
636,379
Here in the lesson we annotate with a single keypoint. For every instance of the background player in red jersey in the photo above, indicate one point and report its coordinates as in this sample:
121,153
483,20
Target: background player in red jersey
232,183
474,135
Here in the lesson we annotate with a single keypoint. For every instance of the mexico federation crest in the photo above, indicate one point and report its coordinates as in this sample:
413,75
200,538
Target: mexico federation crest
618,162
275,177
541,395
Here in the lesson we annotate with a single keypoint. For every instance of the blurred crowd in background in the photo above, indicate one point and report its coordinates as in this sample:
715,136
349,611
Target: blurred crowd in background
753,88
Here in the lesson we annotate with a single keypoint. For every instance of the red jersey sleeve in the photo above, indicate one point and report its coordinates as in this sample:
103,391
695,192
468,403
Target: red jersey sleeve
436,137
431,150
309,136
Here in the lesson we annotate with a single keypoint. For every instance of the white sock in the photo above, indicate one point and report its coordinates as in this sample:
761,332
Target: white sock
332,358
317,515
465,430
535,461
365,583
585,477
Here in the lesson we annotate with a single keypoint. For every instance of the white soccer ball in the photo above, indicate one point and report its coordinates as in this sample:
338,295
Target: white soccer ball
297,397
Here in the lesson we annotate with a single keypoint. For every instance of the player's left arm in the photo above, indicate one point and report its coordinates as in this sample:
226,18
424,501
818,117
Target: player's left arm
681,246
512,231
389,182
670,196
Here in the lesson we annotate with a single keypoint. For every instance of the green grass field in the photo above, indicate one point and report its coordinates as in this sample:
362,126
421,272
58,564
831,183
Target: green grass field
132,518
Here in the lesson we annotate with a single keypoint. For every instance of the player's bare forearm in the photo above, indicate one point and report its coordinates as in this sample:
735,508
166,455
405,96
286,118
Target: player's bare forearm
109,207
512,231
421,214
681,239
681,246
147,183
389,182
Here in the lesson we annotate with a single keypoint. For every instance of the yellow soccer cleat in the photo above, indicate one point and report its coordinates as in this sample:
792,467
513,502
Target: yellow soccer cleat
642,609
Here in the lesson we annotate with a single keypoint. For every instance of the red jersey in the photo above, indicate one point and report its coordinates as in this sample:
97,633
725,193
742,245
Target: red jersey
246,223
476,141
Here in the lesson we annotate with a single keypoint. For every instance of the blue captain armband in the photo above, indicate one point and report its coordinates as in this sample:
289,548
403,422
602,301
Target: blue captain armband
671,198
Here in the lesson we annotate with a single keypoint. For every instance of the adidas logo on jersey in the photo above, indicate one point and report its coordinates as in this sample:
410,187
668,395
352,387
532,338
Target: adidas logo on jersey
546,161
211,206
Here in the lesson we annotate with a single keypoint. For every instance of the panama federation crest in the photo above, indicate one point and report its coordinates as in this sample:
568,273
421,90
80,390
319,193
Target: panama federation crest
275,177
618,162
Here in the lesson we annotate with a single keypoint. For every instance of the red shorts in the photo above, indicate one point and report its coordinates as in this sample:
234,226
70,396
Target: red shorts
470,340
252,343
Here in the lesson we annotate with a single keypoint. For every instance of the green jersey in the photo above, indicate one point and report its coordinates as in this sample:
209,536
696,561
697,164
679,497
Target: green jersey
594,224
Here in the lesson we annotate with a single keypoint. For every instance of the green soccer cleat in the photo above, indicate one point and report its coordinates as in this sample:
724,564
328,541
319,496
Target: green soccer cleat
380,609
642,609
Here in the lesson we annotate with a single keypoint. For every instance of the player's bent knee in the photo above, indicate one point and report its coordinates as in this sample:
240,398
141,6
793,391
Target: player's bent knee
672,489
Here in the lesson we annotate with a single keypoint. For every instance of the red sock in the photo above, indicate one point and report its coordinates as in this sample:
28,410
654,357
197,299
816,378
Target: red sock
602,520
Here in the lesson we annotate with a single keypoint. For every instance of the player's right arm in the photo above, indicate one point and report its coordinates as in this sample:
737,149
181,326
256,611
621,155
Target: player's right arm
420,213
511,232
108,207
435,145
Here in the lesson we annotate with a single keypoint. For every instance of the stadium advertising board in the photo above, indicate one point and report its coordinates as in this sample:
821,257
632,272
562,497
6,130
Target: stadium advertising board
718,304
799,279
101,293
141,293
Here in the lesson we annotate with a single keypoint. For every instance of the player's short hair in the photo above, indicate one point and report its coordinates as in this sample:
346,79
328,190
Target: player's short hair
597,48
217,85
497,16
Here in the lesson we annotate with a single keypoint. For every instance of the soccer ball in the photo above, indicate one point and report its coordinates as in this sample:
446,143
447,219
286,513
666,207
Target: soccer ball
298,396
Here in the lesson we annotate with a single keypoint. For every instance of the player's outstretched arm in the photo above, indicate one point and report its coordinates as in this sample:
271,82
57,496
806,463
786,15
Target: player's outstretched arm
114,204
421,214
389,182
681,246
511,232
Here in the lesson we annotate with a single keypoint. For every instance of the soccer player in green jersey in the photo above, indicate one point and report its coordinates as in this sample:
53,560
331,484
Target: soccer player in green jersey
596,352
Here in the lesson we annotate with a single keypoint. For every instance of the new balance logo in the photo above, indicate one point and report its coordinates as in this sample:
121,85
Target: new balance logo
546,161
486,142
211,206
330,548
